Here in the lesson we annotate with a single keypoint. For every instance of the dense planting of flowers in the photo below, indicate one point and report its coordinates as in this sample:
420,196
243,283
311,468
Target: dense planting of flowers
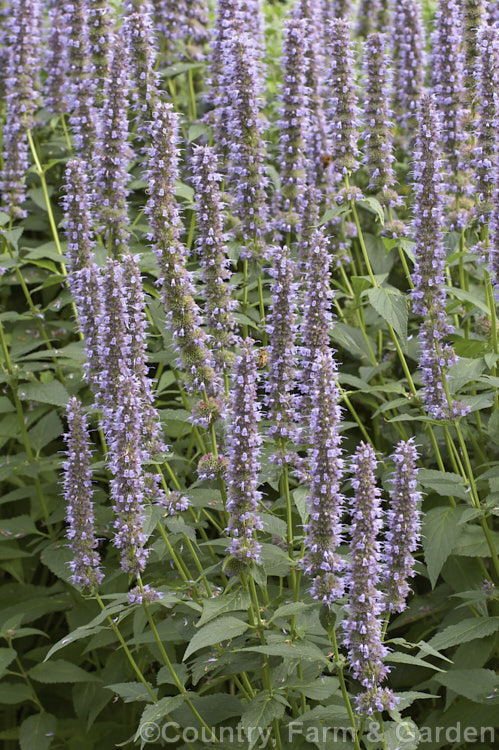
249,370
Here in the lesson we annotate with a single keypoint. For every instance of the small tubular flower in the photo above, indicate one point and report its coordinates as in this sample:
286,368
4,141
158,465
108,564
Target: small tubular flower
212,250
142,54
100,33
177,291
113,154
403,530
23,38
473,16
343,109
83,115
485,150
243,466
281,328
77,486
325,501
56,60
362,626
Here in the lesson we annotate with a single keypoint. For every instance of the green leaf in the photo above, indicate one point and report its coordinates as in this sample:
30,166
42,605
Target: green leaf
223,629
235,599
444,483
48,428
6,656
60,670
441,531
259,713
131,691
37,732
89,699
317,690
307,651
392,306
154,714
465,631
474,297
16,528
57,557
373,206
12,693
407,699
475,684
46,393
196,130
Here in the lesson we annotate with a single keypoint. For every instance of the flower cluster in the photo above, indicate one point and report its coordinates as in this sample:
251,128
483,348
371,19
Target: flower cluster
212,250
448,83
473,16
408,55
281,328
23,34
142,53
246,150
379,156
293,124
183,317
85,565
362,626
428,295
83,115
113,154
100,33
56,60
487,87
243,467
324,528
403,527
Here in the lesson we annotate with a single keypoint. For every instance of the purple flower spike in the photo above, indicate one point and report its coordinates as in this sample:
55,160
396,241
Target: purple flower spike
343,110
212,250
281,327
317,316
113,154
492,12
408,45
485,150
379,156
473,17
448,83
142,53
246,177
363,631
177,291
83,116
368,17
100,31
23,37
318,146
324,529
428,295
56,60
125,432
84,278
403,527
78,492
294,125
243,467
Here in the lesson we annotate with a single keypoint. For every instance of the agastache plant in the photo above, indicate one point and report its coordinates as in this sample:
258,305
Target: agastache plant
448,84
23,35
362,626
408,55
485,149
177,291
113,154
212,249
246,176
377,134
367,17
243,466
343,109
101,32
325,501
282,330
403,527
428,295
294,125
77,487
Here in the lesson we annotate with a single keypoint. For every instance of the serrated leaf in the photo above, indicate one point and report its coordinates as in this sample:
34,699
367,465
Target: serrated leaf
307,651
16,528
12,693
37,732
154,714
236,599
217,631
7,655
59,670
373,206
46,393
465,631
392,306
475,684
441,530
259,713
48,428
131,691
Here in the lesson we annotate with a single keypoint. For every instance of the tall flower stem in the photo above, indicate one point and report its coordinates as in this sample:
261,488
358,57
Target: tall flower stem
344,691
